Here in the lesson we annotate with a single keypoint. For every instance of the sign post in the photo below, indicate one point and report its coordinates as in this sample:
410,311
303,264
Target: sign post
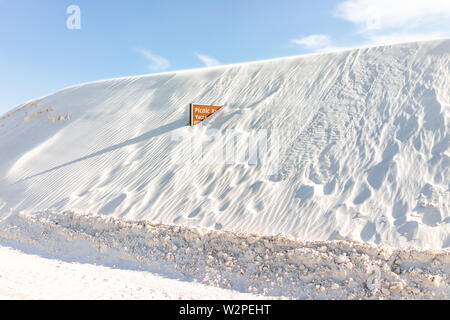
200,112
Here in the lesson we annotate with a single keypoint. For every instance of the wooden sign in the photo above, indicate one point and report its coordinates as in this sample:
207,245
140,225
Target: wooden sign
200,112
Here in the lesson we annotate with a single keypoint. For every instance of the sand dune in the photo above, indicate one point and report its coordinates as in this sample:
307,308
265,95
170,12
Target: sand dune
363,152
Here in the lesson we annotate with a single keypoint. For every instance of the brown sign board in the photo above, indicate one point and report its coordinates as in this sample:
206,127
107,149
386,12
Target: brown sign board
200,112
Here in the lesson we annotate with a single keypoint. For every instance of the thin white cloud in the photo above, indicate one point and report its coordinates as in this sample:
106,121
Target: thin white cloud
383,22
313,41
155,63
372,15
207,60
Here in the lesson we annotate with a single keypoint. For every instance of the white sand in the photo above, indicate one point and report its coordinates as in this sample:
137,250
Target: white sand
364,153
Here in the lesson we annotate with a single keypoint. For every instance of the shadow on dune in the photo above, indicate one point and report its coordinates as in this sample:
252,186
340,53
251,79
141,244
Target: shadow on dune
146,136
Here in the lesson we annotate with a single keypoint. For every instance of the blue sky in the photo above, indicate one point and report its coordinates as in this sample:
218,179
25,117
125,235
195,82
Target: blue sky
39,54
